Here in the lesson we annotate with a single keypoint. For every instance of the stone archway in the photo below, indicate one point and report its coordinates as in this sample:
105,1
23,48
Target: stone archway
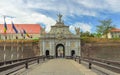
72,53
47,53
60,50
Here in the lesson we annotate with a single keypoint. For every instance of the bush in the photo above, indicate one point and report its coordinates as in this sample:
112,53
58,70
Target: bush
99,40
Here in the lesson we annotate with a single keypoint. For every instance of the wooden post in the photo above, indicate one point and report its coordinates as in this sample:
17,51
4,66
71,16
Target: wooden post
90,65
79,60
75,58
38,61
26,64
43,58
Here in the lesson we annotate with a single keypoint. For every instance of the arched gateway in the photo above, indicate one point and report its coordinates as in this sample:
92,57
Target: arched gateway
60,41
60,50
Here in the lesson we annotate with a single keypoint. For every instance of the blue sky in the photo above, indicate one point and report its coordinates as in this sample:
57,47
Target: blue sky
76,13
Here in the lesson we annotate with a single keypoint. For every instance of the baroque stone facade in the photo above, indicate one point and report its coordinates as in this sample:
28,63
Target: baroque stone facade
60,41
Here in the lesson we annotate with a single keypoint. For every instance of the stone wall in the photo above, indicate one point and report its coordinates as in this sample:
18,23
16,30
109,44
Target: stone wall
109,51
18,50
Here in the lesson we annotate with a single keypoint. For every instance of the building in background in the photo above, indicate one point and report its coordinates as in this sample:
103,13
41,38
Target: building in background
32,31
113,33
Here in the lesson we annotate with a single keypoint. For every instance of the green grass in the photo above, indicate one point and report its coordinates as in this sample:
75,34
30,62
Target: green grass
99,40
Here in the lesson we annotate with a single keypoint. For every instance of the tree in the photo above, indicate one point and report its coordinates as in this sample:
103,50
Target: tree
86,34
104,27
98,35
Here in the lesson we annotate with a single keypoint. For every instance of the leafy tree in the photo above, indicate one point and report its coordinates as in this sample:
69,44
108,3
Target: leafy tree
86,34
104,27
97,35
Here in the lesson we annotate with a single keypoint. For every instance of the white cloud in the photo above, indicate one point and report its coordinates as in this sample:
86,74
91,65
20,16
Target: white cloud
22,10
100,5
77,7
93,4
65,7
83,27
113,5
33,18
23,15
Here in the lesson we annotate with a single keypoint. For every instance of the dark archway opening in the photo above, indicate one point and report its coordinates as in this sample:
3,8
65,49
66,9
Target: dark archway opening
47,53
72,53
60,50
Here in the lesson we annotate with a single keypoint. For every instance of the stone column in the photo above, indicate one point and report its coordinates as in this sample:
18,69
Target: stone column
67,48
41,47
50,47
78,45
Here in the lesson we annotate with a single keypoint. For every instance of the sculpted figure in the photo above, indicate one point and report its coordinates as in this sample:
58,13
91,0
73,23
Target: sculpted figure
59,17
77,31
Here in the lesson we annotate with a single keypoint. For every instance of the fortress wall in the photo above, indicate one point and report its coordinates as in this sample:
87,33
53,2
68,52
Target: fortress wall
1,53
18,50
110,51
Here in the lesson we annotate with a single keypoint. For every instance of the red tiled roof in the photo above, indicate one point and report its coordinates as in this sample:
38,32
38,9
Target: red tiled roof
29,28
115,30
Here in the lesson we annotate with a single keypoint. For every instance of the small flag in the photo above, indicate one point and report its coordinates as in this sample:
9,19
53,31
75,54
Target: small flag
5,25
26,33
13,26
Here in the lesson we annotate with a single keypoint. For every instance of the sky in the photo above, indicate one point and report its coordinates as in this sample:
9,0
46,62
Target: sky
76,13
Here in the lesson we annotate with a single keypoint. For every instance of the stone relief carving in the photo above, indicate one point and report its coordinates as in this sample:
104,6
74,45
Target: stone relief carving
47,44
72,44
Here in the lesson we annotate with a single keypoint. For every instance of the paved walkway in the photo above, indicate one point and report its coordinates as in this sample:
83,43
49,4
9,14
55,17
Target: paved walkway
60,67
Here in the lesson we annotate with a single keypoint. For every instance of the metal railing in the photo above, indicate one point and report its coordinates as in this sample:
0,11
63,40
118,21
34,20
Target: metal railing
110,62
7,67
106,64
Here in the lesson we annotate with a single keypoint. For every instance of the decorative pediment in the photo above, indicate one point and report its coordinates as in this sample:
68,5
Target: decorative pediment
60,31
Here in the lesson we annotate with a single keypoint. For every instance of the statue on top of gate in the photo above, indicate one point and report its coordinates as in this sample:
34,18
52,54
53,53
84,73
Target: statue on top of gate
59,18
77,31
